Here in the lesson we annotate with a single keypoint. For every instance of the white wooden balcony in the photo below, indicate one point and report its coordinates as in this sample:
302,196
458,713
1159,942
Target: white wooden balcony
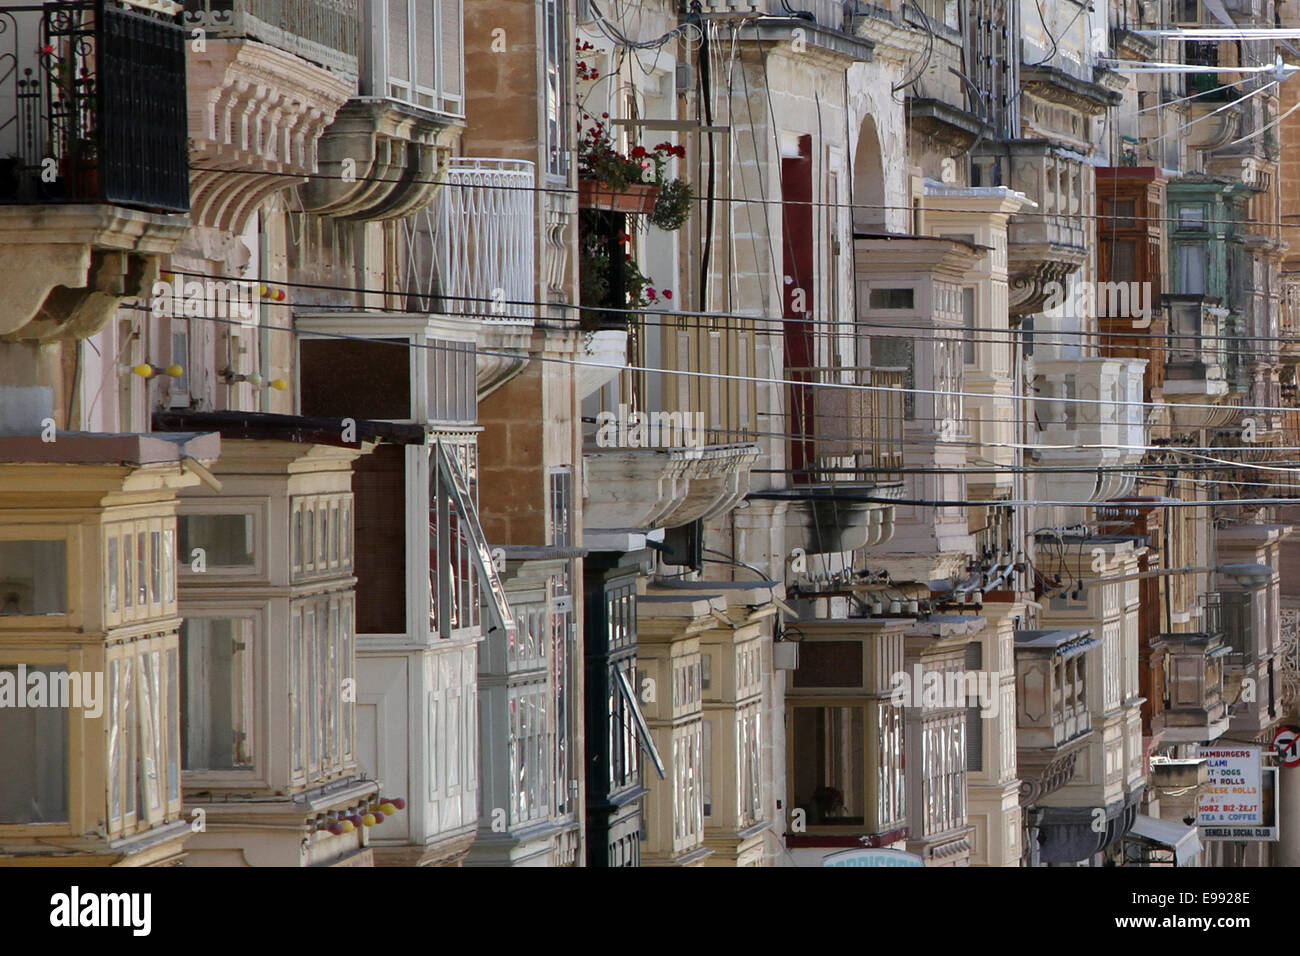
1089,411
472,253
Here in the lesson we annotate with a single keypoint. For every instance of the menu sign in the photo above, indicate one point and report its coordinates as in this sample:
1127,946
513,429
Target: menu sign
1232,805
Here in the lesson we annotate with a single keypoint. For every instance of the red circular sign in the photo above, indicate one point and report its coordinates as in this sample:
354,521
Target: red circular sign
1287,744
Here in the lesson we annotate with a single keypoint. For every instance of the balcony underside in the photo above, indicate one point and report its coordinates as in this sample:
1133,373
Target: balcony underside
633,490
1035,270
378,160
823,526
255,116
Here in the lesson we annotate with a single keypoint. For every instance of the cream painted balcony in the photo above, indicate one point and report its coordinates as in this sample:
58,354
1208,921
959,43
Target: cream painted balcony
631,491
1053,721
1196,711
1196,374
1089,413
854,445
1050,243
473,253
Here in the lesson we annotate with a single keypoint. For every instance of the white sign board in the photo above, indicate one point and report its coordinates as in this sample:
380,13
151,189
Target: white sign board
873,857
1239,803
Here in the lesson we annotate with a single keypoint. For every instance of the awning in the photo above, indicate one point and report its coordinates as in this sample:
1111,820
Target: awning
642,728
1184,841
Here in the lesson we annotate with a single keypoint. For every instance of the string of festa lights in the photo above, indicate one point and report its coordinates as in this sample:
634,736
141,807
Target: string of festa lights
955,442
1040,337
669,318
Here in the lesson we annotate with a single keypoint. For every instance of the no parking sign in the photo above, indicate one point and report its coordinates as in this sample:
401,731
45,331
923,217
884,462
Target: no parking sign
1287,744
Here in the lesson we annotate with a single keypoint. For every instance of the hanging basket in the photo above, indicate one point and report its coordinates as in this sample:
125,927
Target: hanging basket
635,198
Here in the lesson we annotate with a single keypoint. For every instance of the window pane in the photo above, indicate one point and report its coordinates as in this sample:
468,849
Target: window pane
33,577
226,539
128,592
141,571
150,737
155,565
295,686
111,709
173,726
33,757
215,694
828,769
114,569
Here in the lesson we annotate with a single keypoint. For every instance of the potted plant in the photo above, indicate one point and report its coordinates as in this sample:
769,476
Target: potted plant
610,180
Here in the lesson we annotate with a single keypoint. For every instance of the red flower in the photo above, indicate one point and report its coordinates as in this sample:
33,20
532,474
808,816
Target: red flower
668,293
638,152
650,293
46,49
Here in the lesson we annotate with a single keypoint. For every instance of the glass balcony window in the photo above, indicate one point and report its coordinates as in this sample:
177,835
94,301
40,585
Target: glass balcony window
33,578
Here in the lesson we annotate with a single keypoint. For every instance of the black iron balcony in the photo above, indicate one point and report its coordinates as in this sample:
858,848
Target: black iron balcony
326,32
92,106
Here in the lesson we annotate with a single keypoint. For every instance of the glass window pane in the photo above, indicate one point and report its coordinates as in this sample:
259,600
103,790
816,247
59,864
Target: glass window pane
33,758
226,539
114,570
150,736
215,694
155,565
173,726
141,571
112,707
828,773
33,577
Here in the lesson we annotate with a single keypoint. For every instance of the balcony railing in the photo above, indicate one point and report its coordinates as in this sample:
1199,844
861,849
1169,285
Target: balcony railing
472,250
1229,613
857,433
326,32
92,106
1290,312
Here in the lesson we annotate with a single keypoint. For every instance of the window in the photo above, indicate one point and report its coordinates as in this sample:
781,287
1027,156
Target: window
563,683
33,578
889,765
829,744
453,577
561,487
423,52
969,323
892,298
530,748
216,664
706,767
1122,212
1121,260
321,659
178,391
33,757
556,89
453,394
898,351
1191,269
1191,216
749,763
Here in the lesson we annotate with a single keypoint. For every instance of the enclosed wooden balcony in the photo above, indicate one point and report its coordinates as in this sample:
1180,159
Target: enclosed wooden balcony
1053,721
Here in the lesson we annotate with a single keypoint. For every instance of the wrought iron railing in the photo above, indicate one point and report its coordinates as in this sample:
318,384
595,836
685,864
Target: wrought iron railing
92,106
857,433
472,250
1229,613
326,32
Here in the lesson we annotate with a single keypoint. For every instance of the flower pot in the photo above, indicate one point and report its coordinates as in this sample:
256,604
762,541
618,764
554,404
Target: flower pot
636,198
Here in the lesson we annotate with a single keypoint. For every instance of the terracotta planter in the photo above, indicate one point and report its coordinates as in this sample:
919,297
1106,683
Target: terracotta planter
636,198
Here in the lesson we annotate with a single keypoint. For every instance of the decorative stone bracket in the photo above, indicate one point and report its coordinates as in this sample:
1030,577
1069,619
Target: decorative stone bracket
255,116
88,257
380,159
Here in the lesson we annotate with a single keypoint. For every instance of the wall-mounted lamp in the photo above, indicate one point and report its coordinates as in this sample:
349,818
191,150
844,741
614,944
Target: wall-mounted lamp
230,377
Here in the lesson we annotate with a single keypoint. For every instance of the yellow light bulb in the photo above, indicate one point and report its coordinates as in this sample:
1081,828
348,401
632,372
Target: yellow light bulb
144,370
278,384
174,371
